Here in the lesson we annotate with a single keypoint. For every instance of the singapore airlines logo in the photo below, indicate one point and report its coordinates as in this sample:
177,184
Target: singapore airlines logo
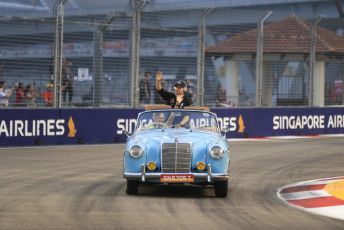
36,128
235,123
241,125
71,126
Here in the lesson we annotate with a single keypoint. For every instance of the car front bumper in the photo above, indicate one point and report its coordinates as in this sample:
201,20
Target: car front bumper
208,176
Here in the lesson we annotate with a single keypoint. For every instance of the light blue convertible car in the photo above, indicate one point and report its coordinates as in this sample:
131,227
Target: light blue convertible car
177,146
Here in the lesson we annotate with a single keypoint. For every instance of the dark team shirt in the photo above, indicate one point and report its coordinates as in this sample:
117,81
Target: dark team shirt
170,99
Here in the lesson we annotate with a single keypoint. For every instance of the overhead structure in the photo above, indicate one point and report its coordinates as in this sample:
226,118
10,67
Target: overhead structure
285,40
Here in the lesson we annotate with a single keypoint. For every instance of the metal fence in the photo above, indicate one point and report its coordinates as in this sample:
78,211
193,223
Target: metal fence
228,57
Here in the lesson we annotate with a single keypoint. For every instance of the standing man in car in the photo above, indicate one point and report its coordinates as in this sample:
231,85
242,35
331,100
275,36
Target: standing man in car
177,99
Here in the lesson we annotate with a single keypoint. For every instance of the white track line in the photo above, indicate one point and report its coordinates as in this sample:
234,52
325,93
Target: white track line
281,138
334,211
304,195
59,146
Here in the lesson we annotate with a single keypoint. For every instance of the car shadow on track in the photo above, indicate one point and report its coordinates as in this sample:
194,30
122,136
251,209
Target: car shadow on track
181,191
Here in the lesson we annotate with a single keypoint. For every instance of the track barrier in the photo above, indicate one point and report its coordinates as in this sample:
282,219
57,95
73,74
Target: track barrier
27,127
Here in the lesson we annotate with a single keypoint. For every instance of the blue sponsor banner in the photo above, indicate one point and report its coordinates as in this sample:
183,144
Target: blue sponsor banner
20,127
99,125
25,127
281,121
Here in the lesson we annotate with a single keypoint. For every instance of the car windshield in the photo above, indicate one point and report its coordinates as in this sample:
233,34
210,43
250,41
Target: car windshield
159,119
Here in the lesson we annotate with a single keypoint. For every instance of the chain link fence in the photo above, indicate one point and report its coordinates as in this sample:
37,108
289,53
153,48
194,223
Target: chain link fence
228,57
26,54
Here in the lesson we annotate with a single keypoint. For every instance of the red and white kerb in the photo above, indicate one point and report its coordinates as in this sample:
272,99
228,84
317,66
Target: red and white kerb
323,196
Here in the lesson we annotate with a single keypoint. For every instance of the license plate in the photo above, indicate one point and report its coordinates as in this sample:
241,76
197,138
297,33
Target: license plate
177,178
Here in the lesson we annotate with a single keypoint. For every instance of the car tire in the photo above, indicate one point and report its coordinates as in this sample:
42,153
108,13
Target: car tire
221,188
132,187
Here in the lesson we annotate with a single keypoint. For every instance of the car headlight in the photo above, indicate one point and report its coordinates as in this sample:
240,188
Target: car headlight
216,152
136,151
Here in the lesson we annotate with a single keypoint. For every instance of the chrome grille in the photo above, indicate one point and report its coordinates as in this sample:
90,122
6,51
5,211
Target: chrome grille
175,157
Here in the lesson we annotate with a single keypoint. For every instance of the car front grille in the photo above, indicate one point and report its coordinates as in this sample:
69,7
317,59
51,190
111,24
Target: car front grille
175,157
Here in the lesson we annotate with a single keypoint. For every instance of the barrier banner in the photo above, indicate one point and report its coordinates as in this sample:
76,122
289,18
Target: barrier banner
94,126
25,127
264,122
20,127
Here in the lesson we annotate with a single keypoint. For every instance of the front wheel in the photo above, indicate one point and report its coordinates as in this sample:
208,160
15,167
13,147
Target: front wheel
132,187
221,188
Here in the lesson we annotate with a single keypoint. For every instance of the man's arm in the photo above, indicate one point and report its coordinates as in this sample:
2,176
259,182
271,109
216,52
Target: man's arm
9,92
167,96
158,80
170,119
185,119
3,94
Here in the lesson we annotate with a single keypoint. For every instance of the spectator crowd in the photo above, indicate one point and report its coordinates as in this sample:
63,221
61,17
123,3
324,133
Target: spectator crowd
19,95
25,96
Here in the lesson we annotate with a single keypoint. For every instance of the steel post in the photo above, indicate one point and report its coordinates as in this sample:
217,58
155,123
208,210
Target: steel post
98,67
312,54
259,59
58,50
135,52
201,56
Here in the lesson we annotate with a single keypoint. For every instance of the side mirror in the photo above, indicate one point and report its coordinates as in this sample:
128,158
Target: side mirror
225,129
125,132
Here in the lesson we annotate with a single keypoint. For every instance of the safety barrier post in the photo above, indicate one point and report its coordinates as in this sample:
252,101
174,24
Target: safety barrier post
58,51
312,54
259,59
201,55
137,6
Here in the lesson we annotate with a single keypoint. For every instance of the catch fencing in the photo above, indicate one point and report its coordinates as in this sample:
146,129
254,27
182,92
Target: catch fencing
228,57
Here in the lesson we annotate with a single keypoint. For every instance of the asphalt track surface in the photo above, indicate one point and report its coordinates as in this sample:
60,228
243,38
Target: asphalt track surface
81,187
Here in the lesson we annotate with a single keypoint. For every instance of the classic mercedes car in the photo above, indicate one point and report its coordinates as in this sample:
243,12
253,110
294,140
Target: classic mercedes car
177,146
